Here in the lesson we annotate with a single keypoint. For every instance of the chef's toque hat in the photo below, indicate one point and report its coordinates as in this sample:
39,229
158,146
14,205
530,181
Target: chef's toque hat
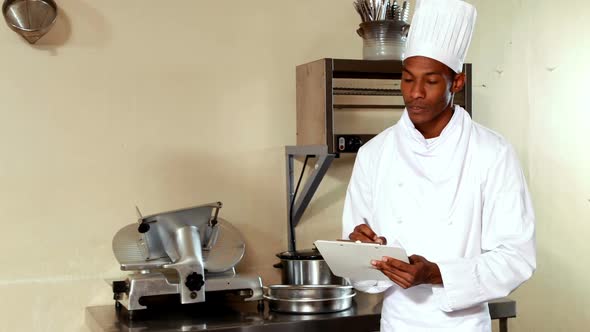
441,30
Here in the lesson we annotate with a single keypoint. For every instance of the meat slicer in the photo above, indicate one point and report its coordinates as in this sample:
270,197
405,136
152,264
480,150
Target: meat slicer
185,252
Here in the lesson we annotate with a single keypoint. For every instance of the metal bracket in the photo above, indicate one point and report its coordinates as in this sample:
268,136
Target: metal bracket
324,160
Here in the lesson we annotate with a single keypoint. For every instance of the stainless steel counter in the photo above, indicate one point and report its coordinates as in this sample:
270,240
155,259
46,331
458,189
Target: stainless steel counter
234,316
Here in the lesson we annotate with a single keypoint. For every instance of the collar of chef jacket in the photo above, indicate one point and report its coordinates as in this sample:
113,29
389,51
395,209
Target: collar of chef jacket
433,172
441,160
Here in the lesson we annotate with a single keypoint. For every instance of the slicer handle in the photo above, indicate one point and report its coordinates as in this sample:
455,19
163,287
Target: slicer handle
211,237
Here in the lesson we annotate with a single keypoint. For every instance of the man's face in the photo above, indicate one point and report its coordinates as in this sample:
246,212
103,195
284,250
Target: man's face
427,87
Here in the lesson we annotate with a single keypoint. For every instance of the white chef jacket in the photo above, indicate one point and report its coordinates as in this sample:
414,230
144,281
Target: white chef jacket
461,201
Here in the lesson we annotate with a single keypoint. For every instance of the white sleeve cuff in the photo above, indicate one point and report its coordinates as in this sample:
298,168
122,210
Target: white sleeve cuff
461,288
442,298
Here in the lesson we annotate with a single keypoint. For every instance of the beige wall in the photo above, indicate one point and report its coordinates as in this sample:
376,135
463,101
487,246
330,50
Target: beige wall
168,104
532,57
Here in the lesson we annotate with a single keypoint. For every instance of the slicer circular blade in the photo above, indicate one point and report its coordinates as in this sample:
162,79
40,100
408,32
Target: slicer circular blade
130,250
227,251
127,245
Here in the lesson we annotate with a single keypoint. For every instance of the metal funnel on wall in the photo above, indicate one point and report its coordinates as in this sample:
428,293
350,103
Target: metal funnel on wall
30,18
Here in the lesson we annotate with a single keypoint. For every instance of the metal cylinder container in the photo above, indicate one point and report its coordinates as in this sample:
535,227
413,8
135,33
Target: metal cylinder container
383,40
306,267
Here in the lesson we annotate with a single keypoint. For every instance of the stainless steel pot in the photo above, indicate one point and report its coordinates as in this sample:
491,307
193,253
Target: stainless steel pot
306,267
309,299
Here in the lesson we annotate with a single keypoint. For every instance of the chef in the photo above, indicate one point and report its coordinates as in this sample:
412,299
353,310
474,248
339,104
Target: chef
448,190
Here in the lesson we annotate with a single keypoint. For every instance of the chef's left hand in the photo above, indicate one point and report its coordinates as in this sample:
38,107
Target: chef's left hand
419,271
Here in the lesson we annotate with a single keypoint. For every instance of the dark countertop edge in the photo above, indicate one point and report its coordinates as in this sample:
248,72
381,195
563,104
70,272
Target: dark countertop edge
499,309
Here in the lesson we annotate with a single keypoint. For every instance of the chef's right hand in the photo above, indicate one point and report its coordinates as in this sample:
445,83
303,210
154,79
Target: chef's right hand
365,234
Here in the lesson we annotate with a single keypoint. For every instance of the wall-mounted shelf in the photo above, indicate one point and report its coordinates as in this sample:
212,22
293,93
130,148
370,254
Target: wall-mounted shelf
327,86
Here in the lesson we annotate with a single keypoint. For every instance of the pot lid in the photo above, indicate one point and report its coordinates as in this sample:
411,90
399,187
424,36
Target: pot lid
309,254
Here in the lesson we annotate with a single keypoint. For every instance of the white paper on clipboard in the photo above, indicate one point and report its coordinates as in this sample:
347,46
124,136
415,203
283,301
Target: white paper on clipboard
353,260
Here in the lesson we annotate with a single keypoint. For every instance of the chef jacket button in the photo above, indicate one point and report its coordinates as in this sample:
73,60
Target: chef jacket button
399,220
400,184
450,221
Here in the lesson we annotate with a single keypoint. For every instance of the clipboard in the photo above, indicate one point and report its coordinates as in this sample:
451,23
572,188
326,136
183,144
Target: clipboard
353,260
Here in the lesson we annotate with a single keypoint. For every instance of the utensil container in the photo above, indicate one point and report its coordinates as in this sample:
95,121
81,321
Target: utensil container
383,40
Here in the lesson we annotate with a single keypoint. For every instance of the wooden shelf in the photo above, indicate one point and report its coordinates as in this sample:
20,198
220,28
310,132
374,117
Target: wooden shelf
321,91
